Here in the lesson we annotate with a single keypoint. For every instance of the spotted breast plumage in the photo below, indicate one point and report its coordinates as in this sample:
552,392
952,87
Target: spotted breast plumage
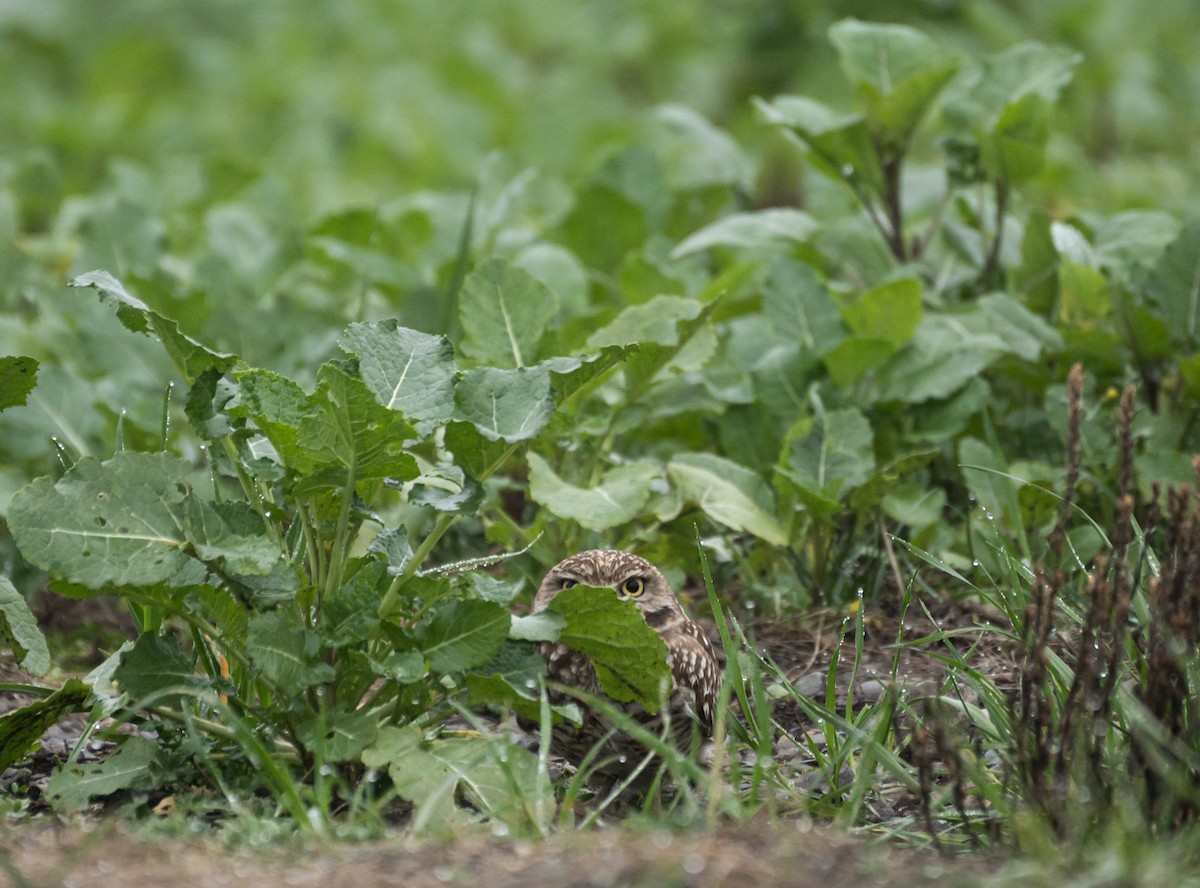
690,658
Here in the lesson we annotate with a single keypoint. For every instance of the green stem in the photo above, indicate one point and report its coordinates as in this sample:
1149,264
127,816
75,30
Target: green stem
388,604
341,544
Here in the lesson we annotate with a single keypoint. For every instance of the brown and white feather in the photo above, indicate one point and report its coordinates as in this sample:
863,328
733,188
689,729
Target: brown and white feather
690,657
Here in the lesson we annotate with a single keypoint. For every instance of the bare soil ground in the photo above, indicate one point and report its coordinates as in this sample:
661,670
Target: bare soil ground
750,855
40,851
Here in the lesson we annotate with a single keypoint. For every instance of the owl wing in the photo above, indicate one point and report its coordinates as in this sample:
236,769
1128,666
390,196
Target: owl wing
694,667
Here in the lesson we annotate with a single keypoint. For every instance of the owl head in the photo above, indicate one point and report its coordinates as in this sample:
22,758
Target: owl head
628,575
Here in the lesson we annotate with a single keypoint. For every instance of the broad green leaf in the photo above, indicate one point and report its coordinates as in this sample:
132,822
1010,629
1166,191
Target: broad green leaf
206,404
460,635
478,454
1036,280
339,735
286,653
129,768
728,493
947,351
1027,69
350,614
154,664
408,371
652,358
696,154
801,309
348,427
828,455
508,405
889,313
1004,105
616,500
1026,334
277,405
132,520
1132,238
571,377
1173,288
898,72
21,728
915,505
513,677
19,629
1016,146
503,312
765,228
841,142
404,667
630,658
499,780
656,321
446,488
853,358
189,356
18,376
393,545
543,626
490,588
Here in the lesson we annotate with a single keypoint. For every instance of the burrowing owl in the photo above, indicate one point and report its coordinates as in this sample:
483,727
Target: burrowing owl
689,656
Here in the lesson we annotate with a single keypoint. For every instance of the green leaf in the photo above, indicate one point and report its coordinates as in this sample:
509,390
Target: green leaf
21,728
915,505
543,626
395,548
460,635
616,500
505,405
19,628
655,321
828,455
18,376
446,488
1173,288
898,72
765,228
889,313
498,779
350,614
154,664
503,312
728,493
801,309
478,454
630,658
1003,107
948,351
189,356
348,427
408,371
132,520
341,735
840,142
277,405
286,653
129,768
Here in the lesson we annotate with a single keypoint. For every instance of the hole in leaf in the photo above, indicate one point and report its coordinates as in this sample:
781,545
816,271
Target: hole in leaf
101,521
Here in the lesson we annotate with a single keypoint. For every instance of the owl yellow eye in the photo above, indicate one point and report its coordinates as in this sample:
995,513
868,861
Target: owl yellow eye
566,584
633,587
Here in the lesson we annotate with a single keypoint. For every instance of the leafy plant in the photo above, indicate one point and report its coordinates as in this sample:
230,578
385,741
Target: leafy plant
311,637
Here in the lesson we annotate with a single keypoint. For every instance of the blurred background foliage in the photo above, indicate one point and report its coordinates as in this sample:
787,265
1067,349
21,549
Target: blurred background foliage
265,172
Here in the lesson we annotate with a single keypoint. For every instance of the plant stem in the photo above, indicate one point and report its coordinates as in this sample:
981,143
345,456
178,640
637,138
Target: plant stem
337,557
991,265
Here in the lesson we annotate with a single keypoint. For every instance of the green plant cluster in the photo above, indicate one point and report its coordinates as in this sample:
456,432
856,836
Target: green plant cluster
627,340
